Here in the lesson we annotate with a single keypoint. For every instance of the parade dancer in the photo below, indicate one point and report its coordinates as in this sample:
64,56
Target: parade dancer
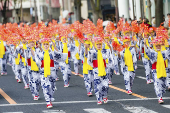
109,60
158,58
45,61
17,61
87,69
65,66
77,60
3,57
97,59
33,70
115,53
145,58
55,39
128,58
23,62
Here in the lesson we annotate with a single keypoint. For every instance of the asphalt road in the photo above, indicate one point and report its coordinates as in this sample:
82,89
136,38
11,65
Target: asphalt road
15,99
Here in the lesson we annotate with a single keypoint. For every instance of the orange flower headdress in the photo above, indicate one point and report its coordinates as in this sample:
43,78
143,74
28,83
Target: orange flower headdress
88,27
135,27
157,41
110,27
126,28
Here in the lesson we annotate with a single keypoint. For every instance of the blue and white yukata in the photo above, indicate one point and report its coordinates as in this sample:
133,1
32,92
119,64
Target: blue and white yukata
10,56
66,68
56,64
109,63
128,75
12,51
101,85
23,65
116,62
146,62
168,70
159,83
76,60
3,61
33,76
88,78
17,55
48,83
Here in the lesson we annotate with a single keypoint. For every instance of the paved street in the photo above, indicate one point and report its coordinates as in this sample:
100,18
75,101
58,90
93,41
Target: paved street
15,99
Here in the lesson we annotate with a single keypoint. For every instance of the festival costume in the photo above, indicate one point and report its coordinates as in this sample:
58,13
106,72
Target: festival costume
158,59
3,57
128,58
87,70
33,73
45,61
97,60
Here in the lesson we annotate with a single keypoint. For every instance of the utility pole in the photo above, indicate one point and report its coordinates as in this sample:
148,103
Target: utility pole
35,9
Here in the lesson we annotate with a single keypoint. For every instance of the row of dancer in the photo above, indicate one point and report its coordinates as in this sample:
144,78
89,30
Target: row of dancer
37,56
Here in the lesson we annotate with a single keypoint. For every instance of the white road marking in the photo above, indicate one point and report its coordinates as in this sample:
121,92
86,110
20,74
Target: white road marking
166,106
12,112
144,78
139,110
76,102
140,65
53,111
96,110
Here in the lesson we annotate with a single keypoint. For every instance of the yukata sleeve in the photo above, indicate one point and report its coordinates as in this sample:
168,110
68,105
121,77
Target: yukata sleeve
111,60
82,53
140,46
167,53
73,51
16,52
38,58
151,54
122,59
33,57
21,52
7,49
134,55
60,57
90,58
28,53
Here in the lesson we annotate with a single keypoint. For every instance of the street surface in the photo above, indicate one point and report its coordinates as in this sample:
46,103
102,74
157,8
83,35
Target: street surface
15,99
